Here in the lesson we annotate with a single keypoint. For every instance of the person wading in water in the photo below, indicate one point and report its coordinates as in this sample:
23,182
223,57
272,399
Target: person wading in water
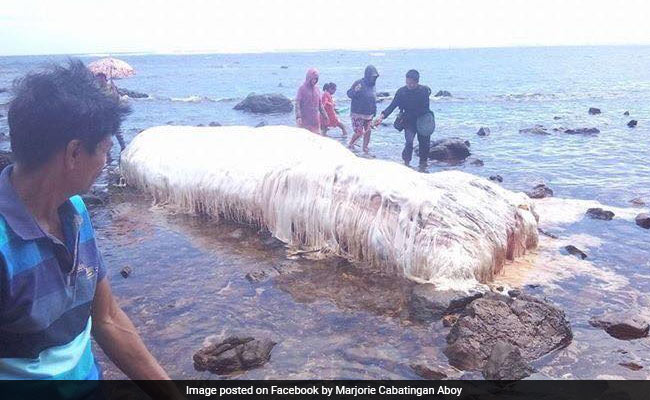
415,118
309,104
364,106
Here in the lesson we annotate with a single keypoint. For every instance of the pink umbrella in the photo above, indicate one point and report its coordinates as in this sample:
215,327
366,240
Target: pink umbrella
112,68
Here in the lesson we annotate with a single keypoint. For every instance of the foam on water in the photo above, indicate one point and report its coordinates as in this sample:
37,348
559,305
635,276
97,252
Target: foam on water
450,228
555,211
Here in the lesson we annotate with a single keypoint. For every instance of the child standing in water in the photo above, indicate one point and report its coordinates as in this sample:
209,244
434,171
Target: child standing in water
330,109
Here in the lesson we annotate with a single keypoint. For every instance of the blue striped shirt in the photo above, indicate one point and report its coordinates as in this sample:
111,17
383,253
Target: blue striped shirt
46,291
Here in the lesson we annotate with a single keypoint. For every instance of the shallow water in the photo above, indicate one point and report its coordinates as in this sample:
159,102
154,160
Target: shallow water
334,320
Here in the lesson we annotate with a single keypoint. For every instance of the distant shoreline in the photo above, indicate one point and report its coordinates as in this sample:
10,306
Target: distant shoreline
324,50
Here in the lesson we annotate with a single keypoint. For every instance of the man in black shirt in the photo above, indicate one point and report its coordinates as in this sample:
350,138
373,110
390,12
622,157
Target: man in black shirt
413,102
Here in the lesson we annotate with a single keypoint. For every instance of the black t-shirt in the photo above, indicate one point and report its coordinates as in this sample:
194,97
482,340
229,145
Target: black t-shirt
413,102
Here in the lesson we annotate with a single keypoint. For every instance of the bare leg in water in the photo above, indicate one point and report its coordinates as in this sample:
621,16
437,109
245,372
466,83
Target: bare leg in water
345,131
366,139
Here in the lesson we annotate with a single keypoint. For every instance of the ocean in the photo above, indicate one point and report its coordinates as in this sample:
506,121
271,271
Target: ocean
190,273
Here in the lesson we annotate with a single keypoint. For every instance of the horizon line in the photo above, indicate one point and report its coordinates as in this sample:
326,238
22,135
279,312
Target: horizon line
317,50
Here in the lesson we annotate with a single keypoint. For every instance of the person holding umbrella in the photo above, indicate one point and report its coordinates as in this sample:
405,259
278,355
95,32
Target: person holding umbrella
105,70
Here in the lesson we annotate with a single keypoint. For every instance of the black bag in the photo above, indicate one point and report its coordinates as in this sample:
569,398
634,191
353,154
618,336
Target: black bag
399,122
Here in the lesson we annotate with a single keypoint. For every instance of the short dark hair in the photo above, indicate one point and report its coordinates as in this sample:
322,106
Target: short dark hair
60,104
332,85
413,74
326,86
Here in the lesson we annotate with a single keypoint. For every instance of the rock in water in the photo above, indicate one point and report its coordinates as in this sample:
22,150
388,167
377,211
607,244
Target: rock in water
126,272
643,220
540,191
132,93
428,372
429,304
626,113
536,130
312,193
233,354
632,123
583,131
599,213
534,326
574,251
506,363
5,159
265,104
639,202
477,163
448,150
624,326
594,111
496,178
214,123
261,124
483,131
443,93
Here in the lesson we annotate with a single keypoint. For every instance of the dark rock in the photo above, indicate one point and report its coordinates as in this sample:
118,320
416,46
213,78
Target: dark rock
257,276
428,304
574,251
632,366
2,115
583,131
284,66
5,159
540,191
213,123
639,202
483,131
92,199
545,233
2,90
535,130
643,220
632,123
448,149
534,326
126,272
599,213
477,163
443,93
556,118
496,178
514,293
265,104
500,288
261,124
449,320
624,326
594,111
132,93
383,94
506,363
427,372
626,113
200,125
233,354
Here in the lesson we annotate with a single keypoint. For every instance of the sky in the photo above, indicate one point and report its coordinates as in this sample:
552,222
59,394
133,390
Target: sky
237,26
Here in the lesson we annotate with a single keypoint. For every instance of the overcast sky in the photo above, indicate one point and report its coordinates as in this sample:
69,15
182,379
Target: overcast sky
112,26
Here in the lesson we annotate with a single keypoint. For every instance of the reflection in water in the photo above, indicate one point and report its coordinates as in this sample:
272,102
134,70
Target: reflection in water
197,281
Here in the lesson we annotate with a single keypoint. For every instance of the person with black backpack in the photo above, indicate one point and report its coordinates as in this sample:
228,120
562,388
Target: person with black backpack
415,117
